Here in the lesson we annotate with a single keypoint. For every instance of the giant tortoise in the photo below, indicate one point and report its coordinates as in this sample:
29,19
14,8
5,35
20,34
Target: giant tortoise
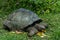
24,20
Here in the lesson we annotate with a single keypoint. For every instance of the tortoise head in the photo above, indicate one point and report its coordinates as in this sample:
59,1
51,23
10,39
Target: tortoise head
41,26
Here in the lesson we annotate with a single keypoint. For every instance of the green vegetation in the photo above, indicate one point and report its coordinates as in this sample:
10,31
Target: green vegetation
48,10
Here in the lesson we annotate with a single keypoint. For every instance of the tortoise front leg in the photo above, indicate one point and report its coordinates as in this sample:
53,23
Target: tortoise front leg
31,31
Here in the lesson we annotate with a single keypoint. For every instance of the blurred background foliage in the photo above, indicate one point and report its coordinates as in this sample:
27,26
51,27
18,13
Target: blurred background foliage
38,6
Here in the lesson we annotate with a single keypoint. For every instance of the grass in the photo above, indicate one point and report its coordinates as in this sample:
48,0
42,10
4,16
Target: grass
53,30
53,21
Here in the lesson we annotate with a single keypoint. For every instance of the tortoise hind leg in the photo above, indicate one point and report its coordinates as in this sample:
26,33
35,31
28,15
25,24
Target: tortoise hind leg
5,27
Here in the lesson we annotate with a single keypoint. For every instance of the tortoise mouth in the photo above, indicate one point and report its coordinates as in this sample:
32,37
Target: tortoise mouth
32,25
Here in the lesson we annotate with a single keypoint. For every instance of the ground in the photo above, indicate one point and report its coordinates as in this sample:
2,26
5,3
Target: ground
53,31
